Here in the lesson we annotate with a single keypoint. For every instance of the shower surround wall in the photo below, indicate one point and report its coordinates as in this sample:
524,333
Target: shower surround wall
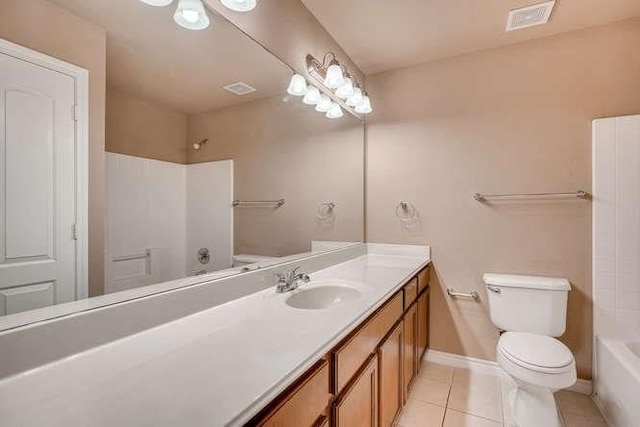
166,211
616,227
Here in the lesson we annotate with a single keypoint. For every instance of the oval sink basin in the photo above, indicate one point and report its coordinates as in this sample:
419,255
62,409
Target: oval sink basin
321,297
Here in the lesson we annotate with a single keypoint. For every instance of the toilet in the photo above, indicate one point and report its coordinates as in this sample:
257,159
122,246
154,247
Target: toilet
531,311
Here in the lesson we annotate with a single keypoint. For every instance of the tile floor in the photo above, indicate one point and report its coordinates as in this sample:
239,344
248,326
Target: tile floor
453,397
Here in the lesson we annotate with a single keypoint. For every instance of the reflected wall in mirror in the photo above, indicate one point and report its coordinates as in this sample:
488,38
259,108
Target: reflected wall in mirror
194,120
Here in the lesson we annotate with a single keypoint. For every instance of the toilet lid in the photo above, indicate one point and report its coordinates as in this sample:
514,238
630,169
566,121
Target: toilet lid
536,351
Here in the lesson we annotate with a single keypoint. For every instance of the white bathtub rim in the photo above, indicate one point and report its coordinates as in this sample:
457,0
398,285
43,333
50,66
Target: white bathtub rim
623,354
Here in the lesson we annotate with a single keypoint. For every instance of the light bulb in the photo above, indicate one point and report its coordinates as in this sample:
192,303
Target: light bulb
334,78
335,112
312,97
365,106
355,98
196,145
297,85
157,2
191,15
324,104
346,90
239,5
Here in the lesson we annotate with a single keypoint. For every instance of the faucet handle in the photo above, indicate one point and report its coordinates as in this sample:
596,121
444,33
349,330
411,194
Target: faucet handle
282,278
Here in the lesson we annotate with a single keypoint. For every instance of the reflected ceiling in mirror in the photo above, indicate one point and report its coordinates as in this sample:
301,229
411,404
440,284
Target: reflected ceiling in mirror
196,120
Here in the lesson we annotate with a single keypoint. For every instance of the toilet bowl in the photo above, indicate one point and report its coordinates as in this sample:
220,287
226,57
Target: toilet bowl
540,366
532,311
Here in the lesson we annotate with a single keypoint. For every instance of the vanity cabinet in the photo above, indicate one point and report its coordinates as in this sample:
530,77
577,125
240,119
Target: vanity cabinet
366,378
305,404
390,366
410,353
358,405
423,324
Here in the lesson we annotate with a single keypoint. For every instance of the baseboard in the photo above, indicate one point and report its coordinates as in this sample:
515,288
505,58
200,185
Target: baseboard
489,367
582,386
457,361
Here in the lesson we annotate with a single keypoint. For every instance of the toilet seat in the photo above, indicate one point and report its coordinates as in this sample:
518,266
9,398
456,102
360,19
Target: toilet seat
536,352
537,360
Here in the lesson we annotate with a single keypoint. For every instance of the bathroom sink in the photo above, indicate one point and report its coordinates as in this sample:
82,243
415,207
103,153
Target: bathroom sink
321,297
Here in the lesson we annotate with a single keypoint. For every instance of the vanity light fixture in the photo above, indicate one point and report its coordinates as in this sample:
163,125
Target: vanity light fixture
346,90
239,5
297,86
157,2
312,97
324,104
335,77
191,15
365,106
335,112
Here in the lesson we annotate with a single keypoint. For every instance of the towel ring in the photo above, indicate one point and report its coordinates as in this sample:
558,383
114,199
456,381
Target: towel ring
405,211
325,210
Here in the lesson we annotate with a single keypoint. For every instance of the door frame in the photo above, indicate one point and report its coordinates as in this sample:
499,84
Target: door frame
81,82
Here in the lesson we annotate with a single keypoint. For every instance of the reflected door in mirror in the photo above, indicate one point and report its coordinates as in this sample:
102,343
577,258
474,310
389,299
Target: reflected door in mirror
37,191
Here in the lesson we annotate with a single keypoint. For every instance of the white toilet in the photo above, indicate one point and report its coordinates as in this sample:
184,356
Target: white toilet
532,310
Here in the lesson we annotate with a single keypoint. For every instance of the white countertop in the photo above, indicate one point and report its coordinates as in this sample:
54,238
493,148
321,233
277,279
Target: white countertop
215,367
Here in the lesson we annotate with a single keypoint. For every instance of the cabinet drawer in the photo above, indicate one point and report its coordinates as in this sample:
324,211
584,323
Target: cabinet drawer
349,356
305,405
423,278
410,292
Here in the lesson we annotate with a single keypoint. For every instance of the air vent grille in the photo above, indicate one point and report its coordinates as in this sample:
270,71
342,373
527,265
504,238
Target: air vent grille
530,16
240,88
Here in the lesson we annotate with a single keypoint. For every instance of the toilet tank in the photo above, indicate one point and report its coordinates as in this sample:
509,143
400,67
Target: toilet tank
531,304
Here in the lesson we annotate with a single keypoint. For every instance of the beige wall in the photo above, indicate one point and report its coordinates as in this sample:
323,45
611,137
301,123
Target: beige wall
286,150
140,128
513,119
290,31
43,27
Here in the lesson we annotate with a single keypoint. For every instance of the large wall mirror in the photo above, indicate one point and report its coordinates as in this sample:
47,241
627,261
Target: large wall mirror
211,166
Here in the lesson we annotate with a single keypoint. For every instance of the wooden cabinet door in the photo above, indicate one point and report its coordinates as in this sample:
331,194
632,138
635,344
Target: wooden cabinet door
390,366
358,405
423,325
409,349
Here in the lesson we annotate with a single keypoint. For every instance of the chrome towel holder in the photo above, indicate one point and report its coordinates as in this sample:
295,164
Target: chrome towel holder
580,194
258,203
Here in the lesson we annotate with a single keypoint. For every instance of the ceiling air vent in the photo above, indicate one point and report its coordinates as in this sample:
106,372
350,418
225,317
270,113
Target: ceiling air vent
240,88
530,16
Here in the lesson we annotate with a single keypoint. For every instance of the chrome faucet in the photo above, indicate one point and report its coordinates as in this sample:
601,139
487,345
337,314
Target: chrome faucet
290,280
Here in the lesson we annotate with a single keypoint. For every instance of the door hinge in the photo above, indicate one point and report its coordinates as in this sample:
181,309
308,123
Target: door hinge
75,112
74,232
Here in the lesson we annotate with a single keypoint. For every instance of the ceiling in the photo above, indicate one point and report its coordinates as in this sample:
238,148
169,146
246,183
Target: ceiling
381,35
151,57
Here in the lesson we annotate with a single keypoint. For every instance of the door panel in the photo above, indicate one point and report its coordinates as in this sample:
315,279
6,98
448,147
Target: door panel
37,186
28,297
28,165
359,404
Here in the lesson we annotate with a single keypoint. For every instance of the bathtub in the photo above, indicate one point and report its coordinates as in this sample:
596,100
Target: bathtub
617,383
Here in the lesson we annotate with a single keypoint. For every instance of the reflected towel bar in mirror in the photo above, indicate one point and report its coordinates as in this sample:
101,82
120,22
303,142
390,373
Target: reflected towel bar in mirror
258,203
580,194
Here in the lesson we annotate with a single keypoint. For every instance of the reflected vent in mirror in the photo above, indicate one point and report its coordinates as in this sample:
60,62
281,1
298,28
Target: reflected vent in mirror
240,88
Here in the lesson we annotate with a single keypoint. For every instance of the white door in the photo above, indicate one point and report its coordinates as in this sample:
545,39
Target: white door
37,190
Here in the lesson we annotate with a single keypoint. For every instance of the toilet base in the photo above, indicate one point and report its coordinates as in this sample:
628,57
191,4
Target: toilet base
533,406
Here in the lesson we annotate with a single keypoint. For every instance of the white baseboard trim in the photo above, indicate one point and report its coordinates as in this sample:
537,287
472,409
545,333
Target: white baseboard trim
489,367
582,387
457,361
